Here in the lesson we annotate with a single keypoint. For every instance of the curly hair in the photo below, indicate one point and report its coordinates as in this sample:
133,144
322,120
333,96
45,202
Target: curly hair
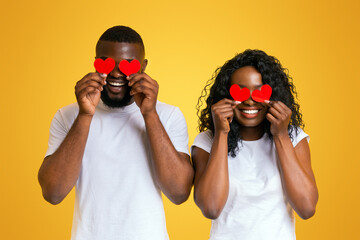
272,73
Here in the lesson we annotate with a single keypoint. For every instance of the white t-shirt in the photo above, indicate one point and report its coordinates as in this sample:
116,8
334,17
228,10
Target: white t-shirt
116,193
256,207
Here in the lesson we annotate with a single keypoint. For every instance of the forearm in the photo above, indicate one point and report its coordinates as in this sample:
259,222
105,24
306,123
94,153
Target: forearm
299,182
212,189
59,172
173,171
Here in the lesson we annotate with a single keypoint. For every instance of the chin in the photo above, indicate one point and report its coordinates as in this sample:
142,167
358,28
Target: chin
250,124
116,101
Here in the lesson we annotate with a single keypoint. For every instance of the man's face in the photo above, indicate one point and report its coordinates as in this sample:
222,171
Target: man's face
116,92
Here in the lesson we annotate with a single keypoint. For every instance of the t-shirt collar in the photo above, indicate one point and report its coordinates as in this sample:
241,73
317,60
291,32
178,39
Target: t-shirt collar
129,108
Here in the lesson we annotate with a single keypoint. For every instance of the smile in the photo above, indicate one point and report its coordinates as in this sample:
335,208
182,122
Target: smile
250,111
116,84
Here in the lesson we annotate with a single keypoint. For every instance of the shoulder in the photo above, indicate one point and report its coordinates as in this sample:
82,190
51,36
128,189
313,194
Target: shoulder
70,108
68,113
62,122
298,134
164,107
204,140
167,111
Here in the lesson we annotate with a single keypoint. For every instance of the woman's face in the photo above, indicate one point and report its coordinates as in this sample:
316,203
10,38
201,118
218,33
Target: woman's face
249,113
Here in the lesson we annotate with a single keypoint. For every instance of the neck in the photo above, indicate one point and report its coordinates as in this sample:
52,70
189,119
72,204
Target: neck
251,133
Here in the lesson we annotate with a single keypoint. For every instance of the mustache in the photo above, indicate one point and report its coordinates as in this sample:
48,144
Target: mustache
118,78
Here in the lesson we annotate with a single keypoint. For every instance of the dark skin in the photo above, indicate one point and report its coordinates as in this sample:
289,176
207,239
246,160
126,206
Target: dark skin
211,184
172,170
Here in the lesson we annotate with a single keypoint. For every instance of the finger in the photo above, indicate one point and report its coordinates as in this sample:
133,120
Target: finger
136,75
222,108
148,93
236,103
267,103
231,112
279,107
231,119
86,91
273,111
227,115
229,101
145,91
78,91
140,77
141,88
92,76
225,109
286,108
271,118
224,102
283,110
219,111
89,83
144,84
220,114
130,77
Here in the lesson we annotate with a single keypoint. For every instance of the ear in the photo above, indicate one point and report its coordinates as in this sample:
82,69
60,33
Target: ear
143,65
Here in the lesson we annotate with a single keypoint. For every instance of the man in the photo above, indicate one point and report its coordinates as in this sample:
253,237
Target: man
120,147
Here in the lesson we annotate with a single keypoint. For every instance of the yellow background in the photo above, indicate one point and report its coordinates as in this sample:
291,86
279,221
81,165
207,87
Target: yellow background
46,46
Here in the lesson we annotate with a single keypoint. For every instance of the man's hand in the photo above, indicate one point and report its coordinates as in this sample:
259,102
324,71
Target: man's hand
145,91
88,91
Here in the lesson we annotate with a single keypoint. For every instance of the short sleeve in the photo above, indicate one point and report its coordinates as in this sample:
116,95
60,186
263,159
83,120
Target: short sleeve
297,135
58,132
204,141
178,132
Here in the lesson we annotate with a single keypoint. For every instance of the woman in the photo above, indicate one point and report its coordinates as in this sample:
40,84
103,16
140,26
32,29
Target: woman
252,159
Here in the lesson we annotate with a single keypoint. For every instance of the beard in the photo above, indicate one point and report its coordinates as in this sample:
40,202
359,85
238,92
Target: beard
116,103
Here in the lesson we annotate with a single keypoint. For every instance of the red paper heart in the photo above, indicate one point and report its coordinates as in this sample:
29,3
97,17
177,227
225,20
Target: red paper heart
129,68
263,94
104,66
239,94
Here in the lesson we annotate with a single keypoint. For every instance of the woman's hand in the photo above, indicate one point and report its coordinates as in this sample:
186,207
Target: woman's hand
279,116
222,113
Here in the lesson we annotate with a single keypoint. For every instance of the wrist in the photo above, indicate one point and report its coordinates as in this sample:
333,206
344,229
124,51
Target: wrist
281,137
85,116
221,134
150,115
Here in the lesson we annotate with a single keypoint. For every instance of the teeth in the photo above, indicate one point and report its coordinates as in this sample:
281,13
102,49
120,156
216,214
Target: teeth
250,111
116,84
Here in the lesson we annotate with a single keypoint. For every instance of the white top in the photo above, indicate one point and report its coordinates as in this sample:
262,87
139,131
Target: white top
116,194
256,207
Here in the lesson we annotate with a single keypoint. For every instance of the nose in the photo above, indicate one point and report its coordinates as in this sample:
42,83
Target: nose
249,101
116,73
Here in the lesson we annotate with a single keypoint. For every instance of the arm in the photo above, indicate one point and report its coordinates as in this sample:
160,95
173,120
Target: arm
297,175
211,185
59,172
173,170
294,163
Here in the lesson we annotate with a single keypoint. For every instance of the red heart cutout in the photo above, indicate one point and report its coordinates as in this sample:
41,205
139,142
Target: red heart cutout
104,66
129,68
239,94
263,94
